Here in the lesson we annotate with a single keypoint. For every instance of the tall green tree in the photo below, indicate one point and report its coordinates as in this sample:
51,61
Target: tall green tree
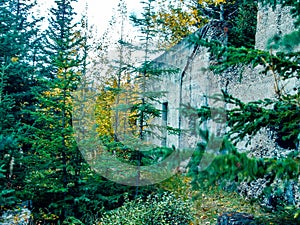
18,32
143,102
54,179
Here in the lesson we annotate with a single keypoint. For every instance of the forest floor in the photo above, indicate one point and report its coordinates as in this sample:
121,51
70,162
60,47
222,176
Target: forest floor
211,204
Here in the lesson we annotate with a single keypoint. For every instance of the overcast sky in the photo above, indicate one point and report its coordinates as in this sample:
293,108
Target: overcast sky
99,12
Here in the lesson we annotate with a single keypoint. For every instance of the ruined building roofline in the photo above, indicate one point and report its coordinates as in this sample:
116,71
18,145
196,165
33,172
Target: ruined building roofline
211,30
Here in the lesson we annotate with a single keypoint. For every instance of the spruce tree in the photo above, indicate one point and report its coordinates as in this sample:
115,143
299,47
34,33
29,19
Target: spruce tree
143,104
55,178
18,31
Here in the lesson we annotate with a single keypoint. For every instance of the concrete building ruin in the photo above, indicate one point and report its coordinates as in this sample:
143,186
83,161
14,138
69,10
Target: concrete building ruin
195,81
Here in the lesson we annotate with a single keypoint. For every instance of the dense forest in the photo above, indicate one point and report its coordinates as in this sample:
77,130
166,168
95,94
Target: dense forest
75,108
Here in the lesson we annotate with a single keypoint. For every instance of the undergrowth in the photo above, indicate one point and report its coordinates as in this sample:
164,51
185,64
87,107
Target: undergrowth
209,203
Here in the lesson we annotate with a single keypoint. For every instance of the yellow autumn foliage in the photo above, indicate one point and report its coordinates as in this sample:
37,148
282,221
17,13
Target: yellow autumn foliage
178,19
113,111
14,59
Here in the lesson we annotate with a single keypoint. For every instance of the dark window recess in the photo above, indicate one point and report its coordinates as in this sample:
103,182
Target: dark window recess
164,123
165,111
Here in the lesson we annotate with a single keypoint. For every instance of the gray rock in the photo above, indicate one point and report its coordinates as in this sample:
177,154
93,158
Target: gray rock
235,218
16,217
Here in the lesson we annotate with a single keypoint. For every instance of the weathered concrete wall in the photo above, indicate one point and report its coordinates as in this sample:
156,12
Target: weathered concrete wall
271,22
199,82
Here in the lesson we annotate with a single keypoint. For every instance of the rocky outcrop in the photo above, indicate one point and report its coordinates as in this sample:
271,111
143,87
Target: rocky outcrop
282,192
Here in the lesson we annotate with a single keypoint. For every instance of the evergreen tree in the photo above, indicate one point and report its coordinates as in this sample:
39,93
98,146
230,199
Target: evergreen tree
242,23
8,146
54,179
132,105
113,90
144,102
18,31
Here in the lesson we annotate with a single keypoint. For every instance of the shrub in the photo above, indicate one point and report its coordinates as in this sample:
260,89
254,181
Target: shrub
155,209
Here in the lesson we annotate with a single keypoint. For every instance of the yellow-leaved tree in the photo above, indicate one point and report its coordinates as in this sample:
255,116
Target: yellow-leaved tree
114,114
